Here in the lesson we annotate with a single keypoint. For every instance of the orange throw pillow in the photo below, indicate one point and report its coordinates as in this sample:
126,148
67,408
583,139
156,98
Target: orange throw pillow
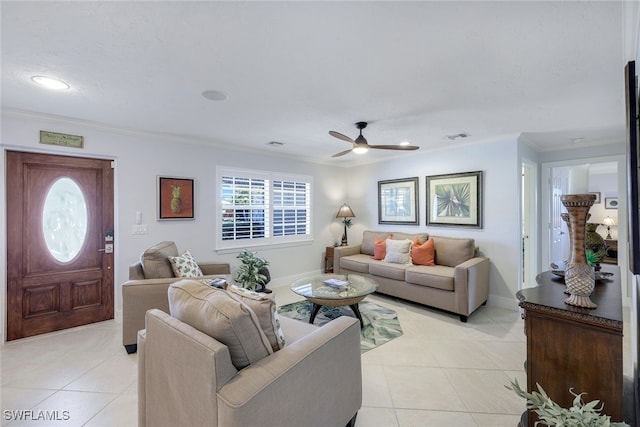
423,254
379,249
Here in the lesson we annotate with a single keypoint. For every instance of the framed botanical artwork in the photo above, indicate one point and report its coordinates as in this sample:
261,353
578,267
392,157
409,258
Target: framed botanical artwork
611,203
597,193
455,200
175,198
398,201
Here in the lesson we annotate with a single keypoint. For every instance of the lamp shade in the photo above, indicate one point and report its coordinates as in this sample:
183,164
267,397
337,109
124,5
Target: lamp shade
345,212
608,221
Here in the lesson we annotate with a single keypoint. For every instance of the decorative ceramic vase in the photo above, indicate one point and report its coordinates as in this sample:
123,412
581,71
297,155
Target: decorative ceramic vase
579,276
595,243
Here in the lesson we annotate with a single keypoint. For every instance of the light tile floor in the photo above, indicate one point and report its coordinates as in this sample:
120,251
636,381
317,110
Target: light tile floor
440,373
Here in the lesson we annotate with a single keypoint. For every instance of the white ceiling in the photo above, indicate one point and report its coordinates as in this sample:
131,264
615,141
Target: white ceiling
417,71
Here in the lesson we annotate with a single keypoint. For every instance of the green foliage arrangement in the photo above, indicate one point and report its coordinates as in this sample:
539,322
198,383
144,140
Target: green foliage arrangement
347,222
593,258
248,274
551,414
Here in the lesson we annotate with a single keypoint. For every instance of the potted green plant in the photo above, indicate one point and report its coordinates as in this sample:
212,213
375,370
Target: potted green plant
250,274
549,413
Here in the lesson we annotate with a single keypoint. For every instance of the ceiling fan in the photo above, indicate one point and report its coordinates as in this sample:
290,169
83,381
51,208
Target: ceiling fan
361,146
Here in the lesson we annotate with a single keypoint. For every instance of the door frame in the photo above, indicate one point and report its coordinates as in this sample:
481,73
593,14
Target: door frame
3,224
623,256
530,227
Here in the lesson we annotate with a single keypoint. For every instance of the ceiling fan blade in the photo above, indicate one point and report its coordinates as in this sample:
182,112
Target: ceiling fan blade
342,153
395,147
340,136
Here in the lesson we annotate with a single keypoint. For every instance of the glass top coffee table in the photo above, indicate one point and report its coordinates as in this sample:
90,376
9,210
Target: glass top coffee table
351,292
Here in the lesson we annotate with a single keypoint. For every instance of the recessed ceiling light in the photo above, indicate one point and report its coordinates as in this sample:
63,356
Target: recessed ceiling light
405,143
215,95
50,83
577,140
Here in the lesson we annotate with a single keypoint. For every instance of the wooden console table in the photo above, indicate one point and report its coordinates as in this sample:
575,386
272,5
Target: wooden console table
574,347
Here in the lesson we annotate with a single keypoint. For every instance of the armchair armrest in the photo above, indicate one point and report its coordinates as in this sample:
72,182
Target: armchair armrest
471,280
324,366
212,268
138,296
340,251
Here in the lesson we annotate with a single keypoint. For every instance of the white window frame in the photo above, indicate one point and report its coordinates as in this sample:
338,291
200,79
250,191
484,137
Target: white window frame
269,238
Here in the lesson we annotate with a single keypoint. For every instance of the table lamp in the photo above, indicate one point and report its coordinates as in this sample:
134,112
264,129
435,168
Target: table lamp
345,213
608,221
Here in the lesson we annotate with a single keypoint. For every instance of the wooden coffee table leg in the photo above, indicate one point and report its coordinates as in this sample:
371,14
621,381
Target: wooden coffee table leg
314,312
356,311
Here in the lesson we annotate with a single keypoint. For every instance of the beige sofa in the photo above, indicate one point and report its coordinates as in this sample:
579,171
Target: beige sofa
147,287
458,283
187,378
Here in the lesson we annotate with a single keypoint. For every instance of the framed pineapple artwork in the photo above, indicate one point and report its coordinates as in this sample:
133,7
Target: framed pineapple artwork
175,198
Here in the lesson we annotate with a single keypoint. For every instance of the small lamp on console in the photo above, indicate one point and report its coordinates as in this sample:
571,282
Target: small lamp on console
345,213
608,221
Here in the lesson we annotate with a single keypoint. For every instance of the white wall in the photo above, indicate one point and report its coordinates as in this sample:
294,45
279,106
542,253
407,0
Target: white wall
499,239
140,158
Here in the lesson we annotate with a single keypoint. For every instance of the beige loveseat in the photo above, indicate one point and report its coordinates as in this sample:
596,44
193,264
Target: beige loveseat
188,378
147,287
459,282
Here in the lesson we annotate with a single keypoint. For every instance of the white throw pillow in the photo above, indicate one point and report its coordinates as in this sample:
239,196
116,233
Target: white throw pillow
398,251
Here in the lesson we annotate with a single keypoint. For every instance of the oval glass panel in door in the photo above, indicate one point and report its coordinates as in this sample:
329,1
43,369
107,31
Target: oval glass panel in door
64,219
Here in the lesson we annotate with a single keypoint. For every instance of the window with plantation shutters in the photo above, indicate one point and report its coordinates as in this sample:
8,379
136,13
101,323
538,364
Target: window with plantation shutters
262,208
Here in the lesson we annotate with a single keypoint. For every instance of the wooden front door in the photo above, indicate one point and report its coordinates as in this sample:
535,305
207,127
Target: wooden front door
59,242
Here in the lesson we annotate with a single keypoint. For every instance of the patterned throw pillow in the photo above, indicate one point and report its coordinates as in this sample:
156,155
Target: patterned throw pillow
264,305
185,265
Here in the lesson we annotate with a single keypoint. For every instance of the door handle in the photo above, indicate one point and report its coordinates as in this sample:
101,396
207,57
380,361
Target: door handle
108,249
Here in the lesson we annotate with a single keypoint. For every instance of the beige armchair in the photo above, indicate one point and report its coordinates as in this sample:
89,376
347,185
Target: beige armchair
147,287
187,378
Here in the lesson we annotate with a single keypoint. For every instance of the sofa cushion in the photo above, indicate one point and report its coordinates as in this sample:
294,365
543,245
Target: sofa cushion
185,265
423,254
359,262
380,248
398,251
389,270
264,305
214,312
439,277
453,251
422,237
368,240
155,260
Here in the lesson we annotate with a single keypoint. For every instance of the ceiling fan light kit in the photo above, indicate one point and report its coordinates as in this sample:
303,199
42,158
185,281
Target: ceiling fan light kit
361,146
